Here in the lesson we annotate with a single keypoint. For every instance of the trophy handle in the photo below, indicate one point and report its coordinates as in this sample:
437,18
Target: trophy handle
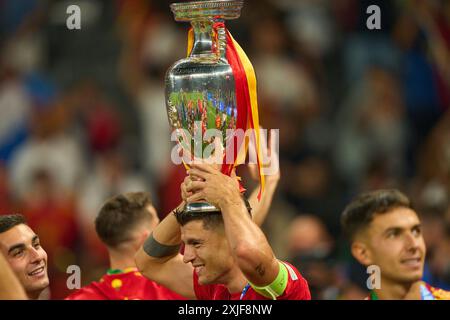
222,39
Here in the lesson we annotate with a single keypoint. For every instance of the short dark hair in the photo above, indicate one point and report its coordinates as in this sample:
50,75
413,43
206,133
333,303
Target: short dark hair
210,219
361,211
120,214
9,221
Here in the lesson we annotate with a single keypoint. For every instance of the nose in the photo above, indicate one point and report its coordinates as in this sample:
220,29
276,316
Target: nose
36,255
189,254
412,242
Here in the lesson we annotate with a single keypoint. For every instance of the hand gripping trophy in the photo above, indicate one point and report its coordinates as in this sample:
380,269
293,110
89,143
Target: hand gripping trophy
211,94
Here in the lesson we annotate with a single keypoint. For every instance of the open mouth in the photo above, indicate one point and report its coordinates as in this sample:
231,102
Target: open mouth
412,262
38,272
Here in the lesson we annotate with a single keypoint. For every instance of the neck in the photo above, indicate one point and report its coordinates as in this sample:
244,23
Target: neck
399,291
121,260
203,43
33,295
41,294
235,280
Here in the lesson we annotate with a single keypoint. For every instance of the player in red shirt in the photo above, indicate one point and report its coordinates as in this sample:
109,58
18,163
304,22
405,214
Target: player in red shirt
126,284
226,255
296,289
124,222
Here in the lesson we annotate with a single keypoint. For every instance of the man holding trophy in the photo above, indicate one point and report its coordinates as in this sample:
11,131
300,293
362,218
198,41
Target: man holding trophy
210,96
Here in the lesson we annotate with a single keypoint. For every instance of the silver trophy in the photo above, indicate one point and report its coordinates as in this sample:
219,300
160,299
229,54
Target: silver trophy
200,89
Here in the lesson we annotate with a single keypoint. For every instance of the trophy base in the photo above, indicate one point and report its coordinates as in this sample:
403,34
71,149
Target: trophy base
200,207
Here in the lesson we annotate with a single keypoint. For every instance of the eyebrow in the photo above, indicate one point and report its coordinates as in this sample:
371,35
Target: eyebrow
22,245
419,225
16,246
192,241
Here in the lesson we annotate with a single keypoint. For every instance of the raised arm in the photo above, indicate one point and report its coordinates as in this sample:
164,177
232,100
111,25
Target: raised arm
159,258
260,208
247,242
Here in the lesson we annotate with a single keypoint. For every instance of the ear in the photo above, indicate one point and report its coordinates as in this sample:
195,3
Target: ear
362,253
142,237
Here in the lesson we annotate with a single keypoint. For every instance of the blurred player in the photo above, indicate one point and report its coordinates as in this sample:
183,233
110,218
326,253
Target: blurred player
386,232
123,224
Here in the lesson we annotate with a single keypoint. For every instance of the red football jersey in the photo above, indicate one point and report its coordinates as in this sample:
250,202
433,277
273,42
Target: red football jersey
126,285
296,289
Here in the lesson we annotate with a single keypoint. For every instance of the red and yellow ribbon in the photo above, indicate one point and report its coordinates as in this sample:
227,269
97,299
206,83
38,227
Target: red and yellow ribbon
246,99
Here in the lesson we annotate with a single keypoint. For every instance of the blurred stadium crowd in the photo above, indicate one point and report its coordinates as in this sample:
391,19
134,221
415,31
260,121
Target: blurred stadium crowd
82,118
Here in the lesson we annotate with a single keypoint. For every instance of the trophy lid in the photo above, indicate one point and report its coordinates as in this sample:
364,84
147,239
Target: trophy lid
225,9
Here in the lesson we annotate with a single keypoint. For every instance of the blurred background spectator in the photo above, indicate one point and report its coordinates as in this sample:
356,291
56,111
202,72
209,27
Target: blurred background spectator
82,117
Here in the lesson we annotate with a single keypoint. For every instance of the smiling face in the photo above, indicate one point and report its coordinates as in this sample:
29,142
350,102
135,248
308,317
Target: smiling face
394,242
21,246
208,252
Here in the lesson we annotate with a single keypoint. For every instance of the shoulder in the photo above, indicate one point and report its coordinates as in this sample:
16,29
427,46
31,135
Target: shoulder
438,294
297,287
203,292
88,292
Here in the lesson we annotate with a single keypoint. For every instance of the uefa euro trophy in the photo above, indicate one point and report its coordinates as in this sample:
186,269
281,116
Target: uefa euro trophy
201,89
